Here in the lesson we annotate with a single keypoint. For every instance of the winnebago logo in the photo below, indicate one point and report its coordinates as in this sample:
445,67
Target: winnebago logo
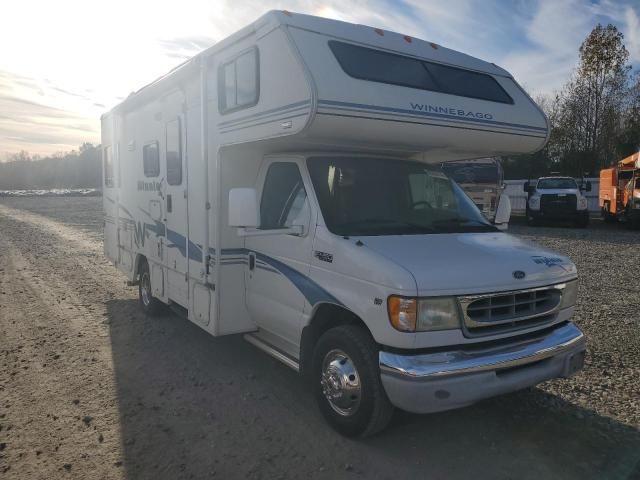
548,261
458,112
148,186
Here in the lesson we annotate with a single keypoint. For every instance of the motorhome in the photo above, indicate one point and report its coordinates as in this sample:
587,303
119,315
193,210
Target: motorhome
482,179
285,184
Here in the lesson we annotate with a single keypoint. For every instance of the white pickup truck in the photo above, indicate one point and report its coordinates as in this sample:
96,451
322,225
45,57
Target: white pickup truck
557,198
285,184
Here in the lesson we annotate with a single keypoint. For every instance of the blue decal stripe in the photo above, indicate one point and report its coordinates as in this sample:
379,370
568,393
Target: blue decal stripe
374,108
313,292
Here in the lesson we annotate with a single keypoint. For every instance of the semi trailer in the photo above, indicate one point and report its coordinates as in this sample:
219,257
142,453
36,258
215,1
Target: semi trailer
285,184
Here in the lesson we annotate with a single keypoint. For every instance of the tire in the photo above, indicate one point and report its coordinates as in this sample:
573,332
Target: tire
345,367
582,222
150,305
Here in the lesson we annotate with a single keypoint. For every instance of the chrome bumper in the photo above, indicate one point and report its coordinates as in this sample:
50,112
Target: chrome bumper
444,380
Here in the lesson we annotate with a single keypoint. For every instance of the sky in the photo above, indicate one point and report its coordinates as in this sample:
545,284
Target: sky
63,63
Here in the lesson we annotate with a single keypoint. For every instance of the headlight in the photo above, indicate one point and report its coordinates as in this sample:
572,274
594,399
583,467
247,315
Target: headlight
423,314
534,202
569,294
582,203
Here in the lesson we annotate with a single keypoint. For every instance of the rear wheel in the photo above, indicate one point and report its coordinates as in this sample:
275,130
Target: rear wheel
150,304
346,382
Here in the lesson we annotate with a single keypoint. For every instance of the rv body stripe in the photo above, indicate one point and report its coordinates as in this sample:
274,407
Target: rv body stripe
432,124
377,108
311,290
242,127
265,113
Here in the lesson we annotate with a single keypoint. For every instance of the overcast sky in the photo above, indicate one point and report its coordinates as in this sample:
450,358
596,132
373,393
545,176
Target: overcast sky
63,63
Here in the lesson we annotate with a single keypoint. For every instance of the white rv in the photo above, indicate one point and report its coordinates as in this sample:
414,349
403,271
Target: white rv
269,186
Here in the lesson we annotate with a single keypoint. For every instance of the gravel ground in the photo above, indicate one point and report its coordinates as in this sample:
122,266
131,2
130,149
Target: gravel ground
91,388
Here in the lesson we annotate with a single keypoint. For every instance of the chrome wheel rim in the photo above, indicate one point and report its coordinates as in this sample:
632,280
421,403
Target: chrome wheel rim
341,383
145,289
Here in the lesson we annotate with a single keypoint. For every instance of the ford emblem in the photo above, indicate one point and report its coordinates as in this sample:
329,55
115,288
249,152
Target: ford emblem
519,274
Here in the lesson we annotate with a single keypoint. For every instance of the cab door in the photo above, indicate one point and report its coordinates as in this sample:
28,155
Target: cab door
176,214
278,265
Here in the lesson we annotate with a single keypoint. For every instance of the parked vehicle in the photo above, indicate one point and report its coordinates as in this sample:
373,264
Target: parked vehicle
483,180
269,187
557,198
619,194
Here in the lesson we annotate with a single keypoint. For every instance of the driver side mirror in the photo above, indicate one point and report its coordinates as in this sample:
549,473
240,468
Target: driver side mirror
243,208
587,187
503,212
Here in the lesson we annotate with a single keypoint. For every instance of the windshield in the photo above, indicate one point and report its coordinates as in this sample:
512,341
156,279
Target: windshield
373,196
472,173
556,183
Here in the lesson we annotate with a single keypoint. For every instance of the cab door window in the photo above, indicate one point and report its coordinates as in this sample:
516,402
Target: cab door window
284,199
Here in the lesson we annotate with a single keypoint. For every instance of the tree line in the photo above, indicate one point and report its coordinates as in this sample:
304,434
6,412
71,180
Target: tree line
76,169
594,118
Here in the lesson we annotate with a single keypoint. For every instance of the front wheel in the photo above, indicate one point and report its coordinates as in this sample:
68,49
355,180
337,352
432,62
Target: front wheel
346,380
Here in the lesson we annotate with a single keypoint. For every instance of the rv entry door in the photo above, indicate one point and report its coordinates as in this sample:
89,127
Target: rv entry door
176,217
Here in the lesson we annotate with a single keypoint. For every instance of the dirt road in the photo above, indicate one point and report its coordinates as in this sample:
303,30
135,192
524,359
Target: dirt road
90,388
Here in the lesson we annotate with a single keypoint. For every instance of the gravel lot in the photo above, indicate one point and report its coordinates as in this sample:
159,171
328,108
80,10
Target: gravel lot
90,388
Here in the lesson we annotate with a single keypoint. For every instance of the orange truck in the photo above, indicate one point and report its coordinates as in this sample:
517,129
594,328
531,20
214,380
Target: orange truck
620,191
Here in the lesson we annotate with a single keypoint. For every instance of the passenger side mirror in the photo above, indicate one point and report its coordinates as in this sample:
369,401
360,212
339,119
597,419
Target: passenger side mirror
503,213
243,208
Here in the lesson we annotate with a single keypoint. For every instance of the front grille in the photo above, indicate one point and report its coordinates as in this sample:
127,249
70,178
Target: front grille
496,313
558,204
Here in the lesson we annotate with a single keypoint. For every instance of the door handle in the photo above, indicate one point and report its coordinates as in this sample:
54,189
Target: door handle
252,261
169,203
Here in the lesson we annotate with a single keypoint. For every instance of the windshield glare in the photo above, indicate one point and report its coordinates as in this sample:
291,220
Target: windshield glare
373,196
556,183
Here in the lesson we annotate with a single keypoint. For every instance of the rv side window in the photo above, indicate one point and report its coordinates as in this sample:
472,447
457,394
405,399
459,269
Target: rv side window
174,152
108,167
239,82
151,159
384,67
284,199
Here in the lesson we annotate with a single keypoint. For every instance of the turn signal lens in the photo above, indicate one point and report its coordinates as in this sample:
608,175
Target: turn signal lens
402,313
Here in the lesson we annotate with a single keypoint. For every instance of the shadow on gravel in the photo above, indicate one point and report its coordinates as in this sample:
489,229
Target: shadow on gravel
194,406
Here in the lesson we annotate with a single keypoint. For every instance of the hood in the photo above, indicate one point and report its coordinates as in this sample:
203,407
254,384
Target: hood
470,263
557,191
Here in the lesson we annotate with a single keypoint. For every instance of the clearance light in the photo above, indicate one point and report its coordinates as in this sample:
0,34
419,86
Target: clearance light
402,313
408,39
434,45
379,32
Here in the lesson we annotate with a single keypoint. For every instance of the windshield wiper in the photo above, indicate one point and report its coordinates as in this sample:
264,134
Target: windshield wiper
381,223
462,222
